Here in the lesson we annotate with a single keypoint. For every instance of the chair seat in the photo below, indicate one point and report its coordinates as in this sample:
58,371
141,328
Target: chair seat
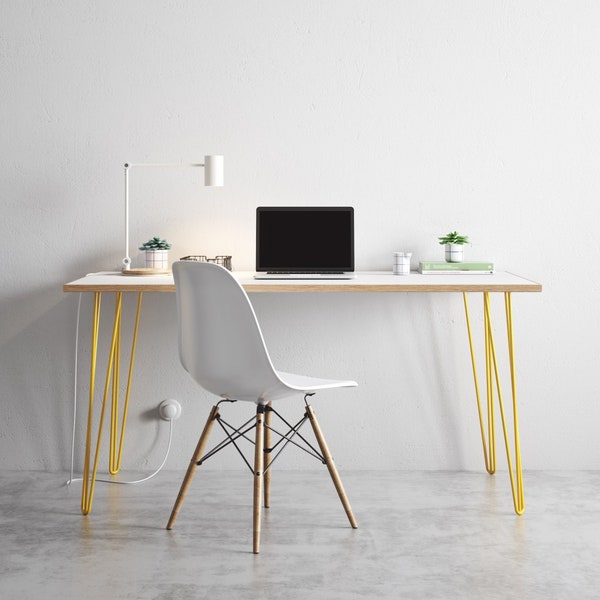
285,385
303,383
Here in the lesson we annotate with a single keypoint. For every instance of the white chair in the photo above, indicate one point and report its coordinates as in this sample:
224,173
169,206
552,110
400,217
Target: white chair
222,348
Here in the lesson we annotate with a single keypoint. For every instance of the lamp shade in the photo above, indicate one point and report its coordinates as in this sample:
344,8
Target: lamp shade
214,170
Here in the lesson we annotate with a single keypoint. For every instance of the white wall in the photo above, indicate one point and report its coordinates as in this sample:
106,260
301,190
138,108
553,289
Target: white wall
474,115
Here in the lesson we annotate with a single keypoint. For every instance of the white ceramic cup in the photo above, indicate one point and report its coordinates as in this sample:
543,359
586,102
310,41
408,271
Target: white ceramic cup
401,264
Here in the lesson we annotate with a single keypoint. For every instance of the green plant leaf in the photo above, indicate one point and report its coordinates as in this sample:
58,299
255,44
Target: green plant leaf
453,238
155,243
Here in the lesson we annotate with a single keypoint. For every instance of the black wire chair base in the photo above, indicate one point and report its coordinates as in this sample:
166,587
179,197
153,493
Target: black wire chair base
233,435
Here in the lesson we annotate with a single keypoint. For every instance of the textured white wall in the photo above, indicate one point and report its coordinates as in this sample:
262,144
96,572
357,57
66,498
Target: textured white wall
475,115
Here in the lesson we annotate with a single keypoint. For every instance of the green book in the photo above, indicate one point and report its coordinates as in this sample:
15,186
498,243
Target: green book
456,267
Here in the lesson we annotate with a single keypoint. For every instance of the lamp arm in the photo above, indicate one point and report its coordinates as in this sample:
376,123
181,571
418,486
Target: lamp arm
128,165
213,176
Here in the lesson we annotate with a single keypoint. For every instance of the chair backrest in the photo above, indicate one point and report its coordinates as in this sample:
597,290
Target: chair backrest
220,341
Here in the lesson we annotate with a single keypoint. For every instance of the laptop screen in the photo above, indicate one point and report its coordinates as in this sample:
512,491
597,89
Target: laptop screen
304,239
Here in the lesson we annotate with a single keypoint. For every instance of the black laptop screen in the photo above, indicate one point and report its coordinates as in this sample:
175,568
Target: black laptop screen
301,239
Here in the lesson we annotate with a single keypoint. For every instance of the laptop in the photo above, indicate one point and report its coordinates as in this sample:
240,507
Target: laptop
300,242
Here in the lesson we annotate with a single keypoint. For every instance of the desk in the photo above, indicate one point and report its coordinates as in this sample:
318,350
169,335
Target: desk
369,281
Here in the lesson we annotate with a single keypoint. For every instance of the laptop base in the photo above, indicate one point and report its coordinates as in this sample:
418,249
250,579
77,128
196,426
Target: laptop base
307,276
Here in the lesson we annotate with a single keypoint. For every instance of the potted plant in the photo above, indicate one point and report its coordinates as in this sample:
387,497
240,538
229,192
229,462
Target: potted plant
454,243
157,253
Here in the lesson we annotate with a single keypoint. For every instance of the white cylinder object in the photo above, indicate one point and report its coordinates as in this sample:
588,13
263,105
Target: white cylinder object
401,264
214,170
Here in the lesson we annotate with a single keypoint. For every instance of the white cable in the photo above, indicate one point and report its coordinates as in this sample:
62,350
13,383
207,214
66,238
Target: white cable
75,389
71,479
162,464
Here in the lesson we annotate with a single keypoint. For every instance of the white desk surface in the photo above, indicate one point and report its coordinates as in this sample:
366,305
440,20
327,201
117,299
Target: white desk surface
365,281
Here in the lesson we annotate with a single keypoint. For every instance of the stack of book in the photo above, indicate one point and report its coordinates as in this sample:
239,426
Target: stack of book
455,268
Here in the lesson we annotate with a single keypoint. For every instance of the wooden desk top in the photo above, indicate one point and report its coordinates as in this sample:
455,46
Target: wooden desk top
365,281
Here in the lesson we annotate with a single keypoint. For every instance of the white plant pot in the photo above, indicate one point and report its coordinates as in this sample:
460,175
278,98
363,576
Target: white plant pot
454,253
157,259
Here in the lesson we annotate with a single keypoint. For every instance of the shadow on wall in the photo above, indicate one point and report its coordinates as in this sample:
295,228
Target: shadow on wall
406,351
37,363
36,336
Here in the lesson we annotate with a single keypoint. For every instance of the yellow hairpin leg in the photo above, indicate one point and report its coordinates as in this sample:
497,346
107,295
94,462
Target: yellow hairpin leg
517,486
492,373
115,366
489,450
112,375
116,451
89,481
87,491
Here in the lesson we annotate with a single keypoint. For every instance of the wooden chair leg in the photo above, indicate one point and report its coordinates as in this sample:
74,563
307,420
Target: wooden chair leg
191,471
267,474
258,476
337,482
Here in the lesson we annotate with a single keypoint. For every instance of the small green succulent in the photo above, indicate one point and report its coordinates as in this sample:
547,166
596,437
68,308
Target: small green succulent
453,238
155,243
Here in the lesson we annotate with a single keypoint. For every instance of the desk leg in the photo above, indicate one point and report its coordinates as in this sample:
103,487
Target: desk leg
87,492
492,375
112,374
116,451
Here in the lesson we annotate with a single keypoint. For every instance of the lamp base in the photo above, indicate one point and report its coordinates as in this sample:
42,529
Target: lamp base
146,271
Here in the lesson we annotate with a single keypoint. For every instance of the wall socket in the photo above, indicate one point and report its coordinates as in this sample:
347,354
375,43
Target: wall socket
169,410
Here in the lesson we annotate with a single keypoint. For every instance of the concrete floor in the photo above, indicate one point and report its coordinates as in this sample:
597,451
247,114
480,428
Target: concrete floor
421,535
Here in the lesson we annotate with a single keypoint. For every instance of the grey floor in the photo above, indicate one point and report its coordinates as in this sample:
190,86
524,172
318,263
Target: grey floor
421,535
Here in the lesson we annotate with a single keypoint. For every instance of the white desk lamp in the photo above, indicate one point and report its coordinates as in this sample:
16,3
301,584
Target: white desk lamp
213,177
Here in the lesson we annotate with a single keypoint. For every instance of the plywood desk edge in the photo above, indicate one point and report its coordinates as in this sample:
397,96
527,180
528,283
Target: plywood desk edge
87,287
441,283
386,288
